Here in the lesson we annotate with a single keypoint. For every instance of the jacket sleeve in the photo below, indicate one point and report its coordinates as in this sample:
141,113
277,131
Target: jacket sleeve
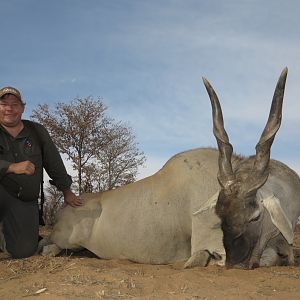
4,163
52,161
3,167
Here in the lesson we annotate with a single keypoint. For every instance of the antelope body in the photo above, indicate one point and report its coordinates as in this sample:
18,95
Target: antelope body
161,219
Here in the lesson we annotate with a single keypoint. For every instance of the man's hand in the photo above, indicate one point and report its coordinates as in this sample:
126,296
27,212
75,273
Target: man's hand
24,167
71,199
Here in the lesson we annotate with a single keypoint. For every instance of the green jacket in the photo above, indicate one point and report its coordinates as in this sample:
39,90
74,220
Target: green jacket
27,146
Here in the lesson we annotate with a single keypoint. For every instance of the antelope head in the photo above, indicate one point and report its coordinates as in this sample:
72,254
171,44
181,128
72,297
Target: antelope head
240,212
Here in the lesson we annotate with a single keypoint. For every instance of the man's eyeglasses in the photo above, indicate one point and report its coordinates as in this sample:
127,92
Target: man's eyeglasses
13,105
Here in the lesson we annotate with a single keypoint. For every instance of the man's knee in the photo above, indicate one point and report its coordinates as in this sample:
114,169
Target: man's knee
2,239
22,250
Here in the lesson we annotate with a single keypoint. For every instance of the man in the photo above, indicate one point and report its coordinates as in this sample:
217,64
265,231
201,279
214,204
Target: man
25,149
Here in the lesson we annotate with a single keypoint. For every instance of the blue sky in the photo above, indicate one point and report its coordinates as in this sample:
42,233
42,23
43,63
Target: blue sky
146,60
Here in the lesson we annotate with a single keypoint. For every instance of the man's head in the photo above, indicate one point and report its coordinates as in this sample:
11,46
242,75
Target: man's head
8,90
11,107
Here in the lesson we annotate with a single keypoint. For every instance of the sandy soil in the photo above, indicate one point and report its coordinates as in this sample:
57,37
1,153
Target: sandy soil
87,277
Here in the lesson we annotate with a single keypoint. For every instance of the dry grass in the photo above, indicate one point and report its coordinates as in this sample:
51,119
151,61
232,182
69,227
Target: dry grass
18,267
79,276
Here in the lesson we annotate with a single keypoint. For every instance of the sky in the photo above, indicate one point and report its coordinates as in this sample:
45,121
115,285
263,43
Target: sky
146,59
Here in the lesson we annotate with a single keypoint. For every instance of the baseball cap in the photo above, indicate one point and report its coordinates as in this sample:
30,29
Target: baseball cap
10,90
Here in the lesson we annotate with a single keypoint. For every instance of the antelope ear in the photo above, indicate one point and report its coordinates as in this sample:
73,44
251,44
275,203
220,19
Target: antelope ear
211,239
279,217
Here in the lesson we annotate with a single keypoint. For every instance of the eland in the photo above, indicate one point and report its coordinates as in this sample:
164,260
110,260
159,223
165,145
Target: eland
202,206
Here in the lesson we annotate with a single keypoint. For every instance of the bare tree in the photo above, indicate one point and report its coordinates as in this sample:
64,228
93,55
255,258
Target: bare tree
88,179
102,151
119,159
52,205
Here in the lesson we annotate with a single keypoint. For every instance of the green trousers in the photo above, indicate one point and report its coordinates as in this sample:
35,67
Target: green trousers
20,224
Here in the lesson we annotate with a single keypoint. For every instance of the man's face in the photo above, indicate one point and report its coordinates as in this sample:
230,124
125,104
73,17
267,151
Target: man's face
11,110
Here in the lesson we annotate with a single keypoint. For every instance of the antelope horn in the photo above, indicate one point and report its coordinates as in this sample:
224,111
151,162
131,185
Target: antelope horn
263,148
225,176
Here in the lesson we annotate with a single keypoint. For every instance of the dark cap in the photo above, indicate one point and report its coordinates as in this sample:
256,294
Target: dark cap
10,90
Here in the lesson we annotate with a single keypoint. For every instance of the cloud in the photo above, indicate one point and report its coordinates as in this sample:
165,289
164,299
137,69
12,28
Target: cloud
146,59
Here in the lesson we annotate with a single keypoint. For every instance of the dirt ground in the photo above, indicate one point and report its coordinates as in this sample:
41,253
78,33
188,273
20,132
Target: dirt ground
87,277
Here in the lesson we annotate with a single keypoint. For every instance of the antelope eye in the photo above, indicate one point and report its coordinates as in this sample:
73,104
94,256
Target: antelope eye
255,217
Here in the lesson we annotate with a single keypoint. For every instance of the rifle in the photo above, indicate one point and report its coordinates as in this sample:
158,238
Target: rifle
30,124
